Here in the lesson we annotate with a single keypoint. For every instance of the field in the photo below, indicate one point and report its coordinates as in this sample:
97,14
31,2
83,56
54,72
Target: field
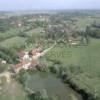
8,34
12,91
84,62
14,41
35,32
81,23
84,56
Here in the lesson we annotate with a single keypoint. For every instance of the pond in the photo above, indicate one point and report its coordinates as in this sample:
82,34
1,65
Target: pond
53,86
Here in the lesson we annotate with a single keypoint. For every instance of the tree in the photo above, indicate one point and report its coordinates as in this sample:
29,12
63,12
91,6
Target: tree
4,25
86,35
55,32
22,76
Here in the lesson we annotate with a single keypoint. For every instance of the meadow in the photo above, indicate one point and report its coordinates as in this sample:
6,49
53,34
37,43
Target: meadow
12,42
83,62
12,91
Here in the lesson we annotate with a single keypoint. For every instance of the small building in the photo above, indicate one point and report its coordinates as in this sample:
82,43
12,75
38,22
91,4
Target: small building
23,56
25,65
33,52
3,61
26,56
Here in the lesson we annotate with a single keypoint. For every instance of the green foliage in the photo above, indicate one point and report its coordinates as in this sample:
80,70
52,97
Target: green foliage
22,76
55,32
16,92
8,55
4,67
9,43
93,31
4,25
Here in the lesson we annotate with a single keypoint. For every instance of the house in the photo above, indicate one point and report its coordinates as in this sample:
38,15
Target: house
3,61
25,65
33,52
71,39
23,56
74,43
17,23
26,56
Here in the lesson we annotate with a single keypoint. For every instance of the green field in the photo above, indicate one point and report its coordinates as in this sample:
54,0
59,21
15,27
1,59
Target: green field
35,32
81,23
8,34
14,41
84,61
12,91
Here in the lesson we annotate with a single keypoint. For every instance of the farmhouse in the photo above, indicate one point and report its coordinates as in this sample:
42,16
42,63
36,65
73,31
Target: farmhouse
26,60
25,65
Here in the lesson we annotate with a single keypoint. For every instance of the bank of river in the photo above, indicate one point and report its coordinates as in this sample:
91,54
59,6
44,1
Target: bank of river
53,86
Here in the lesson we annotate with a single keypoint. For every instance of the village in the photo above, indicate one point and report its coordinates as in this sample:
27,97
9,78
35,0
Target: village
27,60
55,54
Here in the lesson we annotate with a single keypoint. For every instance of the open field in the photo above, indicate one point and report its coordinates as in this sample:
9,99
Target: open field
12,91
82,23
78,55
8,34
14,41
84,61
35,32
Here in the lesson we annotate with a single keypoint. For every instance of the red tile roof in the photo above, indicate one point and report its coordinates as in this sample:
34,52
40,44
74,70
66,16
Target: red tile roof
33,62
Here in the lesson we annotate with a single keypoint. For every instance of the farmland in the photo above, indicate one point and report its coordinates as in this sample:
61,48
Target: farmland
84,63
74,60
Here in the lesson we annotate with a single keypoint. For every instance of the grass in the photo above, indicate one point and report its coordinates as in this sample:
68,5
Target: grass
9,33
14,41
87,58
35,32
84,56
85,21
12,91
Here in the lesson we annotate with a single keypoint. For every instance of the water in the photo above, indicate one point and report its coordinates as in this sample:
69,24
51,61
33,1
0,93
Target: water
54,87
